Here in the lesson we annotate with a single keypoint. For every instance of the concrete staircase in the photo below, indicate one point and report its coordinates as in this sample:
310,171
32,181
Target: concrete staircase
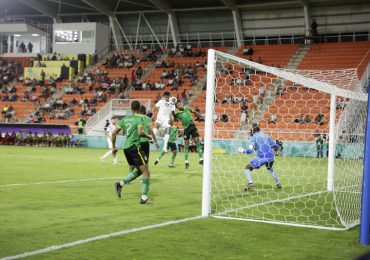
298,56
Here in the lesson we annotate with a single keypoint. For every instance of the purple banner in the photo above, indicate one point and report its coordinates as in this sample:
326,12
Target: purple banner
34,128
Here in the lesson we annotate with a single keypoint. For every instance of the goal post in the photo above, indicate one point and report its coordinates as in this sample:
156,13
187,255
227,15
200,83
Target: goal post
317,192
365,201
208,128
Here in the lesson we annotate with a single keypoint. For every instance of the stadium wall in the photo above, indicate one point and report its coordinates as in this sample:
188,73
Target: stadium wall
99,39
291,148
256,22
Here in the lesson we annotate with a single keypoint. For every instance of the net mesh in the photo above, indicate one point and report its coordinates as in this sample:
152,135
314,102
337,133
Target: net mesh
292,107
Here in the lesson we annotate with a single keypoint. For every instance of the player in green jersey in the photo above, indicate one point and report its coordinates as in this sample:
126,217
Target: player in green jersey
147,124
183,113
174,132
133,128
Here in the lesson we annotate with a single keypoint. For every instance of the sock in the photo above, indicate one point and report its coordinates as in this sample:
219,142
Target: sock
106,154
186,151
173,158
199,150
132,175
145,187
248,173
166,138
115,159
155,131
274,175
161,155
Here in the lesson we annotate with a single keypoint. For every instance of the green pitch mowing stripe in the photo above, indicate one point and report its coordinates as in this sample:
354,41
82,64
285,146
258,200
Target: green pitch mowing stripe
91,239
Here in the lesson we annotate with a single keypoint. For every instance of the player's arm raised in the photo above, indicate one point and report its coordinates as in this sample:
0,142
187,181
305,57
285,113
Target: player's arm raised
197,114
114,137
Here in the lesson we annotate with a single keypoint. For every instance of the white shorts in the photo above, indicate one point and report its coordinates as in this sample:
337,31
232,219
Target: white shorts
109,141
164,122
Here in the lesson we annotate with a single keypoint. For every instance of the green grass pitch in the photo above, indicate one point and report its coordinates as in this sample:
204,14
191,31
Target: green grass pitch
45,210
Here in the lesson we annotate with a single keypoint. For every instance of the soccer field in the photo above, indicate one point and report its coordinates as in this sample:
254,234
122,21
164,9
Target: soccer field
54,196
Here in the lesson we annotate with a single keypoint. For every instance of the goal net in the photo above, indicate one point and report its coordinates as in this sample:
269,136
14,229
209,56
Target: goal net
319,118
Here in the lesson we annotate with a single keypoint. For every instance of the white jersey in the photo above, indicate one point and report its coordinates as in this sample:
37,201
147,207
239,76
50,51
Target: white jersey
165,109
110,129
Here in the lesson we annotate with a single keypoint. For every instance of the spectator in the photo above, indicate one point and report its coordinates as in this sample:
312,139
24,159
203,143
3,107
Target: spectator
224,118
80,125
248,51
244,107
243,120
261,94
319,119
319,146
300,120
139,72
30,47
279,150
307,119
215,118
341,104
43,75
272,119
314,26
279,90
184,97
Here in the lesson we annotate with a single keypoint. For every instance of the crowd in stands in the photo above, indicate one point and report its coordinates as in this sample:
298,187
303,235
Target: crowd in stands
9,72
33,139
186,51
8,114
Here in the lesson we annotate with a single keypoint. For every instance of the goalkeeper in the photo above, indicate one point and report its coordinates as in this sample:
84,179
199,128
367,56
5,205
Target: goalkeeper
264,146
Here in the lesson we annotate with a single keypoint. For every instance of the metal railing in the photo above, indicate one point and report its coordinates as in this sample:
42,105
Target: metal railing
228,39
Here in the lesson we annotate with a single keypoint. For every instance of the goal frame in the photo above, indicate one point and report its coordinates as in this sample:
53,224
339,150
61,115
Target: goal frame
307,82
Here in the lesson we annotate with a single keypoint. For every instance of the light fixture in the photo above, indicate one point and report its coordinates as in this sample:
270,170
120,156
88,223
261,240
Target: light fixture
35,34
16,35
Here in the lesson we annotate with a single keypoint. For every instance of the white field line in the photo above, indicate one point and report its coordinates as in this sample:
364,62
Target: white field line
66,181
91,239
282,223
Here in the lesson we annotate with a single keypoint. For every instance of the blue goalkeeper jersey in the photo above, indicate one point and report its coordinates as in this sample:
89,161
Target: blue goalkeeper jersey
263,144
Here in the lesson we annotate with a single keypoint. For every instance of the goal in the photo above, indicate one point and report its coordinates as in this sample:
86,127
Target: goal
320,118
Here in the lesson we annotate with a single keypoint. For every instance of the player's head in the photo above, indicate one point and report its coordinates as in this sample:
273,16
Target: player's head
255,128
166,95
114,120
180,106
143,110
135,106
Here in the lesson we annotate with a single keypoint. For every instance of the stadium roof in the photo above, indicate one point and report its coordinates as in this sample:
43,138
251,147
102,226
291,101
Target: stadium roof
64,8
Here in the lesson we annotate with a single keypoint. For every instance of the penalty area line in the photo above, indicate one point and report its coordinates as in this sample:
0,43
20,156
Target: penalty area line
91,239
66,181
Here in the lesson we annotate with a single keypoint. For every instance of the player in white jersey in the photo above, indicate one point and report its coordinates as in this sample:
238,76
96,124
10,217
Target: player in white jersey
108,132
164,116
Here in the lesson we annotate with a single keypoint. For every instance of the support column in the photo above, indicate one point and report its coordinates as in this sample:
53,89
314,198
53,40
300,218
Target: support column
172,20
116,33
238,28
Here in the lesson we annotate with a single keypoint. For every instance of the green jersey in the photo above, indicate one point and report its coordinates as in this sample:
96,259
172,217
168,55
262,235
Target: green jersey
185,116
173,134
147,122
130,124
